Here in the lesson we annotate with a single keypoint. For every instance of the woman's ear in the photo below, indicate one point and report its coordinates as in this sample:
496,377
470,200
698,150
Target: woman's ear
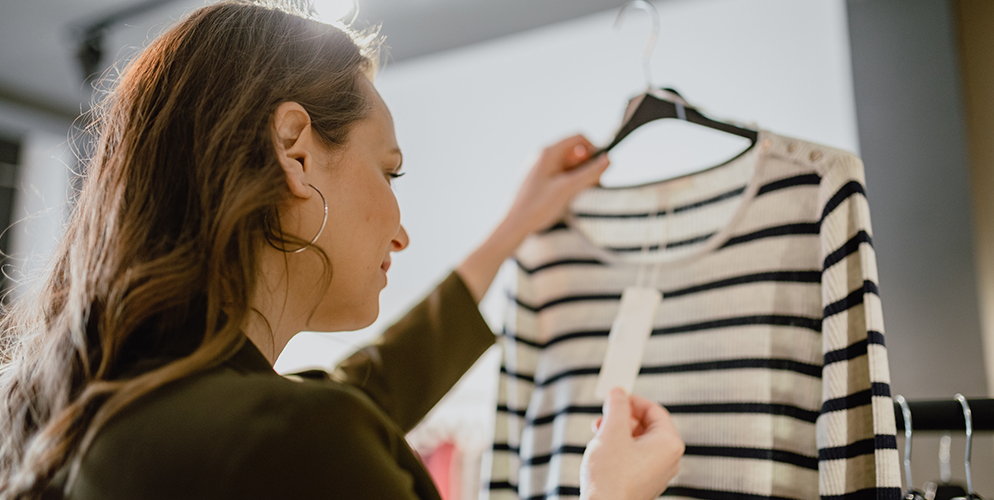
293,142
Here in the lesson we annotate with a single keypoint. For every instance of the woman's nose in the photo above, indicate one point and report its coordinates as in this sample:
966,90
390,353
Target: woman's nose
401,240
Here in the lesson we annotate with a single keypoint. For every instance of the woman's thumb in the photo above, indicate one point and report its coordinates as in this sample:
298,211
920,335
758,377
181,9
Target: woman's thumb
589,173
617,413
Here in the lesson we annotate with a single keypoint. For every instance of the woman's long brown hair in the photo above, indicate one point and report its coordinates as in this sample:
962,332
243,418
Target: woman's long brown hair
151,280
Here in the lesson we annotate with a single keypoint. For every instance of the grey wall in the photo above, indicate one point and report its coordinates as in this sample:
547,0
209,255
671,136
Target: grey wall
913,143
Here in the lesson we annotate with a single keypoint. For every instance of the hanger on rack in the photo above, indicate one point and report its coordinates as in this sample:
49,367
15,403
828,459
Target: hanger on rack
662,103
968,418
912,493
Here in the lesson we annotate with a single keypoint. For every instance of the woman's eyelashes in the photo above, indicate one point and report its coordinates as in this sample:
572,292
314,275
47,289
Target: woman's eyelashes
394,175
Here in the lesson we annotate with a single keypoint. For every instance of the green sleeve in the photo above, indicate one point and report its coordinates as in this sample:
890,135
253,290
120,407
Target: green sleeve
418,359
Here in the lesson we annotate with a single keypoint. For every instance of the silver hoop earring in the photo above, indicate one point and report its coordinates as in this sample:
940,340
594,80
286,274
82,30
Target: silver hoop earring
323,221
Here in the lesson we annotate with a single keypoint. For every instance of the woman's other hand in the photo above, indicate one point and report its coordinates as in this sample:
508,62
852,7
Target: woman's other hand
561,171
635,452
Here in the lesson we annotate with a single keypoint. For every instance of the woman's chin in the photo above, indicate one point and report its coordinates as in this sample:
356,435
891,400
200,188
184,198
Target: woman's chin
367,322
355,318
367,318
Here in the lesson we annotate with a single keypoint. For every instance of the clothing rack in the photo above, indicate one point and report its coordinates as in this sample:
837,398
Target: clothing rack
947,415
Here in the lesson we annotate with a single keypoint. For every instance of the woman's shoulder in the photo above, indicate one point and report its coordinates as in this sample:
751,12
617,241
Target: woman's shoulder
227,402
228,427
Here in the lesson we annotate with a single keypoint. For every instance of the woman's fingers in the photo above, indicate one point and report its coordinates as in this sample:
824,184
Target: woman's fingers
635,424
636,451
645,415
588,174
649,413
580,168
596,424
617,414
567,153
562,170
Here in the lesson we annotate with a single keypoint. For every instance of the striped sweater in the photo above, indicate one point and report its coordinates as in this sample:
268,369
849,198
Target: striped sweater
767,348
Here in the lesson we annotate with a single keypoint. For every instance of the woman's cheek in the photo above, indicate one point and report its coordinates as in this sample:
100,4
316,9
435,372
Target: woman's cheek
389,212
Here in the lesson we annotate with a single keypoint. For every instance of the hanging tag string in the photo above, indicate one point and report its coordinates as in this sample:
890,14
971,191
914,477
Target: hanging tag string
668,215
644,254
661,208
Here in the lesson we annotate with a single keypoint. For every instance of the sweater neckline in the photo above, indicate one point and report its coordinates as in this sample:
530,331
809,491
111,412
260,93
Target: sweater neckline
760,151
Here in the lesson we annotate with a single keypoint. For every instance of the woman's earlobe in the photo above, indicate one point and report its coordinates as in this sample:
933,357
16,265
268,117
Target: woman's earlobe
296,181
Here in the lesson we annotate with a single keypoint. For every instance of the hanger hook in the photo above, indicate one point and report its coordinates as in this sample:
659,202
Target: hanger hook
968,418
906,413
653,36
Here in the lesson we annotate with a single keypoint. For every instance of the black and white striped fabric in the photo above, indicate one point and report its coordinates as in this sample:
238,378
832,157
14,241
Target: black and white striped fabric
767,348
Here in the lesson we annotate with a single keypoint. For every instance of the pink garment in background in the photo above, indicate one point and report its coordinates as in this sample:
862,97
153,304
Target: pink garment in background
443,467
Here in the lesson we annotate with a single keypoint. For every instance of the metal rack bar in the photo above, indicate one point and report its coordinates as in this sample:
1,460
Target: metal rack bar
947,415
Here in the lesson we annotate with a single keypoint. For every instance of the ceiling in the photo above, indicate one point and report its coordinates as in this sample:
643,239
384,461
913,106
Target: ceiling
39,38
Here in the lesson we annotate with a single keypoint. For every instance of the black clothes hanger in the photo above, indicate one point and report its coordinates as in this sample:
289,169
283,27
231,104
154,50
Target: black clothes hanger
657,104
653,105
912,493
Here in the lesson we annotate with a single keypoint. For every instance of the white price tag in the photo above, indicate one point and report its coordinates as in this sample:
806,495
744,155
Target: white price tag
626,342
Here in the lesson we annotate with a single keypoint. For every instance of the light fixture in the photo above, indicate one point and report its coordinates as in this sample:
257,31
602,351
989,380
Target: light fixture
331,11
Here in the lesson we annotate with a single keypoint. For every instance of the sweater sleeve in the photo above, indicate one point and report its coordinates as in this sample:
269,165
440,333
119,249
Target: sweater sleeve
857,447
418,359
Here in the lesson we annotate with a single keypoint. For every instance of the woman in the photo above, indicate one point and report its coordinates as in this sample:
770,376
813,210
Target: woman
239,194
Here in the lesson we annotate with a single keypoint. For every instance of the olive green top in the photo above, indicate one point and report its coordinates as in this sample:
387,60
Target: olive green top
241,431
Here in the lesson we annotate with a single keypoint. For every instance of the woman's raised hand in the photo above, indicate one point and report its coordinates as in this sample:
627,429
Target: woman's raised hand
635,452
561,171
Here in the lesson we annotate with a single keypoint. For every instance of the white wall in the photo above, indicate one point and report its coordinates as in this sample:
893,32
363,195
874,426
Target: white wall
39,211
468,121
40,203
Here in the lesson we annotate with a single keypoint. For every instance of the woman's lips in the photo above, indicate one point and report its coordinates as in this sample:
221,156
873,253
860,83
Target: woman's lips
385,266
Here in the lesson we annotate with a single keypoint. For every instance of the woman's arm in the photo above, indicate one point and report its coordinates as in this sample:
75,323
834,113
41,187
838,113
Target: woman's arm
562,171
420,357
